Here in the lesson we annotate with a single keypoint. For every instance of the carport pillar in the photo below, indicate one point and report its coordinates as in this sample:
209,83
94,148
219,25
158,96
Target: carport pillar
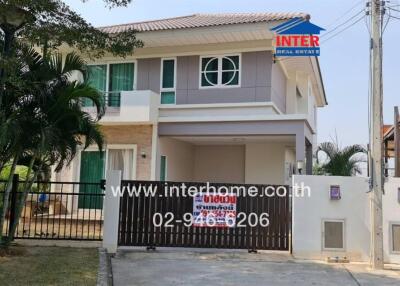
300,151
309,159
111,211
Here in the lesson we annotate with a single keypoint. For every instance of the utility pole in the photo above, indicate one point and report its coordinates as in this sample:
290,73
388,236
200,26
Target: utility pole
376,137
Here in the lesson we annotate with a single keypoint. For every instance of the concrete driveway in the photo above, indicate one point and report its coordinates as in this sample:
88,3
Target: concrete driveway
197,267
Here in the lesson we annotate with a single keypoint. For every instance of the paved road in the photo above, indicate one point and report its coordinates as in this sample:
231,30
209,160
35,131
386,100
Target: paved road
173,267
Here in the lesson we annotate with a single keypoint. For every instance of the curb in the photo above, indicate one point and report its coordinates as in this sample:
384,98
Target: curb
104,275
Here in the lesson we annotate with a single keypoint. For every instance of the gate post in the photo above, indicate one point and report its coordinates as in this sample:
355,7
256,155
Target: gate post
111,211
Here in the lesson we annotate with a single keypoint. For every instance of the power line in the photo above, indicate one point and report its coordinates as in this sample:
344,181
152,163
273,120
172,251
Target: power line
394,17
397,10
344,29
387,21
346,12
342,24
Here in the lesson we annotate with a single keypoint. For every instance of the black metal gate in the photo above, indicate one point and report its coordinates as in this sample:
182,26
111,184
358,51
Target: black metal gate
142,209
52,211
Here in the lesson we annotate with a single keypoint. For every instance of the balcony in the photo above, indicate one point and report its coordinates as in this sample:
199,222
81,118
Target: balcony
129,107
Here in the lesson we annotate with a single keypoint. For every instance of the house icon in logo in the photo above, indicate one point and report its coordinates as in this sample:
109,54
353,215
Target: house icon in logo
297,37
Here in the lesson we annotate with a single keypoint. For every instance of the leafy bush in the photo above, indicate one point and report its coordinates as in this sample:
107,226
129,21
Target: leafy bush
20,170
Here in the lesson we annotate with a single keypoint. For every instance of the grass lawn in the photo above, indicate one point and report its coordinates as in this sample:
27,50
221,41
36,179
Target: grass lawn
48,266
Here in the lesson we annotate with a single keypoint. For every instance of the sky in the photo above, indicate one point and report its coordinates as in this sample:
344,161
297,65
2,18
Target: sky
344,58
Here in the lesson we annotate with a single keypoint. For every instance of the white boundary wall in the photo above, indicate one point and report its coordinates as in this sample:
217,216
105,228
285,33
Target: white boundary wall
309,213
391,214
353,208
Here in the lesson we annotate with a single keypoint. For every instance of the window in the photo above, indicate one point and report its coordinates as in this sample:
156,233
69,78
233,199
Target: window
111,79
97,78
333,234
163,168
220,71
395,237
120,79
168,75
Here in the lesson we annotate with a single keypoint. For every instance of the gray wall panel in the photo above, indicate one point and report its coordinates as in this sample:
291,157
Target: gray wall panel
258,71
148,77
255,81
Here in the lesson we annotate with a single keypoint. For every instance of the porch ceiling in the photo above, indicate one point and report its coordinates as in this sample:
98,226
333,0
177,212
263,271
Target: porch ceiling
237,140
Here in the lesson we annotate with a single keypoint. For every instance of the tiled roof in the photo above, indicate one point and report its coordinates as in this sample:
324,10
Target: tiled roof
201,20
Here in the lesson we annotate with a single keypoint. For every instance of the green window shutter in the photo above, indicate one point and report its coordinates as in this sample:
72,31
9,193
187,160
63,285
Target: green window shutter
121,79
97,77
163,168
168,97
168,80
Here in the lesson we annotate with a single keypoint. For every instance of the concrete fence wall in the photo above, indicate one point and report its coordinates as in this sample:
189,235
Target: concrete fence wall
310,210
353,208
391,215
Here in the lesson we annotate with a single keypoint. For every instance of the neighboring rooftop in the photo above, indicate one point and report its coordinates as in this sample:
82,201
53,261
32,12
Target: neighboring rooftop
202,20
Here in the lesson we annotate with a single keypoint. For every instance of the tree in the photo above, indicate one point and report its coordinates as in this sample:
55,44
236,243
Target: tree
54,24
46,109
41,121
339,162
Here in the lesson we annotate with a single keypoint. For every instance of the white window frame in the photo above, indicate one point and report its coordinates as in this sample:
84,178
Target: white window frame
219,80
108,63
391,242
170,89
94,148
343,221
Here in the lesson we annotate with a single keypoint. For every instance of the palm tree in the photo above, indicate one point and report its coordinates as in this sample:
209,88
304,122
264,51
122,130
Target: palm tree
340,162
48,114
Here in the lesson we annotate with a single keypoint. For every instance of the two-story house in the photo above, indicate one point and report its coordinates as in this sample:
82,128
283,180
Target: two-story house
205,100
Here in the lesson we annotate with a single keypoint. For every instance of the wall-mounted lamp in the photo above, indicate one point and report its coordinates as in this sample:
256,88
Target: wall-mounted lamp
300,166
143,155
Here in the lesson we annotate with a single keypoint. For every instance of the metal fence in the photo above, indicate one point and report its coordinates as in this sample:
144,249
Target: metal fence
56,210
137,228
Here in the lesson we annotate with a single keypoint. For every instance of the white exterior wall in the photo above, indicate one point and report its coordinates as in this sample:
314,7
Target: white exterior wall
391,214
353,208
309,212
265,163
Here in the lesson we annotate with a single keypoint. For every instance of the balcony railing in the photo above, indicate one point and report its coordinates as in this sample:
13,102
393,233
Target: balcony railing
127,107
111,99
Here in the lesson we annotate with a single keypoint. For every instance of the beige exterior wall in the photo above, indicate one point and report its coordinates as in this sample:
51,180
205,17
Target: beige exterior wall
202,163
265,163
219,164
141,135
180,157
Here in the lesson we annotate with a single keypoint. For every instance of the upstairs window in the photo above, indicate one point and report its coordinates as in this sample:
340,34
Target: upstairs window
97,78
120,79
111,79
168,85
220,71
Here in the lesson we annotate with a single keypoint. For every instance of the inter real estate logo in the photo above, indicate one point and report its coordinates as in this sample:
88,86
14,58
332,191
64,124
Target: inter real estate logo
296,38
